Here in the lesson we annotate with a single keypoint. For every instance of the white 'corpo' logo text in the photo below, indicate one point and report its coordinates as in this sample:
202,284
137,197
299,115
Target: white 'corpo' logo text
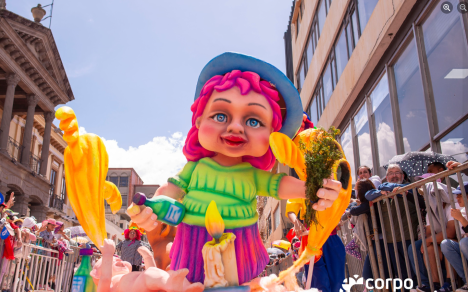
394,284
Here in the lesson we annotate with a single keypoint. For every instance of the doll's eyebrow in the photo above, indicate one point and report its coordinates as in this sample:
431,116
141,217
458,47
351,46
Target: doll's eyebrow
222,99
254,103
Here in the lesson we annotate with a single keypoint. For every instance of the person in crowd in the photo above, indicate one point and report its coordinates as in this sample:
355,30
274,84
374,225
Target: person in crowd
63,240
364,172
395,179
129,247
362,187
8,269
46,232
437,223
451,248
437,167
329,272
453,164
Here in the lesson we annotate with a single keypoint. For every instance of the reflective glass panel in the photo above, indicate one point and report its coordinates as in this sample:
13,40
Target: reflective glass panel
341,53
447,55
363,137
355,28
322,15
310,49
349,33
327,84
382,110
313,111
301,75
347,145
411,100
365,8
456,143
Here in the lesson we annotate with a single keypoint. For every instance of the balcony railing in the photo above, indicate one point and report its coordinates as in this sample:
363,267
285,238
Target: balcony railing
35,163
56,202
14,149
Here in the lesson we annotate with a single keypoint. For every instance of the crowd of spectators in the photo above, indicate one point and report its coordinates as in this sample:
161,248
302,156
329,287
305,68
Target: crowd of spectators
19,235
393,230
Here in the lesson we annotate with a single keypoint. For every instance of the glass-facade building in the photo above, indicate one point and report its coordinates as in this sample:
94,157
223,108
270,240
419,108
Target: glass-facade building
392,78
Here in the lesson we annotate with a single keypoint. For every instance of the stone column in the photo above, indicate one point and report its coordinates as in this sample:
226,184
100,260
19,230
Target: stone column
12,80
49,117
21,204
39,212
28,128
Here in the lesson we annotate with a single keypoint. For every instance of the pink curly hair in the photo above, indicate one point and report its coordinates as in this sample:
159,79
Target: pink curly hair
246,81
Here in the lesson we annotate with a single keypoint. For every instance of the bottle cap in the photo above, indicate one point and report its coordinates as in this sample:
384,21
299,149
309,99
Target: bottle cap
86,252
139,199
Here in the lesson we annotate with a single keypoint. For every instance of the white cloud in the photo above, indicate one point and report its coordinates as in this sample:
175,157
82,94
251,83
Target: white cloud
154,161
81,71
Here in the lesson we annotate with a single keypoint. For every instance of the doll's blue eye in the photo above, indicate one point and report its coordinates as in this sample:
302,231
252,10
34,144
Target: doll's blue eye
253,123
220,118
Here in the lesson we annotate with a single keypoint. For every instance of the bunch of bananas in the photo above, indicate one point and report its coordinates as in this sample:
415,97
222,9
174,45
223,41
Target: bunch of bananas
86,165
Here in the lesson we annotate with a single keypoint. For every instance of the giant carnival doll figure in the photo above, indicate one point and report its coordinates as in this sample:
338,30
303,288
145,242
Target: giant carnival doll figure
239,102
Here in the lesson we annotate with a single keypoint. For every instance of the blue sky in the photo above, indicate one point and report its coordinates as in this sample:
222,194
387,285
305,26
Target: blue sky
133,65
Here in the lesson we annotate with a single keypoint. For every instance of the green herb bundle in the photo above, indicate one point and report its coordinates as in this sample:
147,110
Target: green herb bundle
320,155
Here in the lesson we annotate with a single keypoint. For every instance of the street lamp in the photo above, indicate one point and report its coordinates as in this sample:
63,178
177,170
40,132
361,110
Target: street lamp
38,13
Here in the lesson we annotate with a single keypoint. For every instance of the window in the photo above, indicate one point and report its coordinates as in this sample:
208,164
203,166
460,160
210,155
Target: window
310,49
53,175
347,145
456,143
114,179
124,201
365,9
64,188
301,76
313,115
319,98
447,56
123,181
411,100
363,137
298,25
327,84
268,226
322,15
277,216
341,53
382,114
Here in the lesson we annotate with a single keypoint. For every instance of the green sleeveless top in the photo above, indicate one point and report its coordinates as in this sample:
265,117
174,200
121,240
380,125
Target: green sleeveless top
234,189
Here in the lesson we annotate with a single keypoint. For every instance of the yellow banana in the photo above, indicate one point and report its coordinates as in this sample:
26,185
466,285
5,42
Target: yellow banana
86,165
288,152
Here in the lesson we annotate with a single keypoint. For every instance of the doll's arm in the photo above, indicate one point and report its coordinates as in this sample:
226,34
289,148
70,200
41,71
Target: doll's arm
106,267
292,188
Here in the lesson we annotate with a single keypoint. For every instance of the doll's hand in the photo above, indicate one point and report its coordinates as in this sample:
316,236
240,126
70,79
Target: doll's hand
143,216
328,194
108,248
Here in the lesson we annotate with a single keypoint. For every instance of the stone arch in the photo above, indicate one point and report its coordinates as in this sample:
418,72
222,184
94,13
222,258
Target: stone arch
35,201
15,188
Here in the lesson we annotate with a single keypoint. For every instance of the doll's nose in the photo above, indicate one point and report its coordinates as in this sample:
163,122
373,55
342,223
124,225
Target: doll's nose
235,127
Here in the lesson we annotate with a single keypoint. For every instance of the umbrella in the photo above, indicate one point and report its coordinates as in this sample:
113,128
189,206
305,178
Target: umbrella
274,251
81,239
77,231
415,163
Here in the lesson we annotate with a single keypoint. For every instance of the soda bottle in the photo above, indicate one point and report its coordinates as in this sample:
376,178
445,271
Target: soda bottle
82,281
167,209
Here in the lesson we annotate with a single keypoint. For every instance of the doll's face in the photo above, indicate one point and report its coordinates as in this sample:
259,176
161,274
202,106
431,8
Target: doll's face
236,125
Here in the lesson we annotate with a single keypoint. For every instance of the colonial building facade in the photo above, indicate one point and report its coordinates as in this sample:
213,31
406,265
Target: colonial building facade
33,82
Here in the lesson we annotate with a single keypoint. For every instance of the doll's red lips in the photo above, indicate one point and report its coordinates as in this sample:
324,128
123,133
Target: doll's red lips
234,140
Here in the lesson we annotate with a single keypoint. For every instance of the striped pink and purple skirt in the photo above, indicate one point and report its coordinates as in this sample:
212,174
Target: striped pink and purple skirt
186,251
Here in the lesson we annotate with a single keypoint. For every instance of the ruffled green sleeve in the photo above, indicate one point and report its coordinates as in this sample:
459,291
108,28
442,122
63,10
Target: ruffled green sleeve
182,179
267,183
